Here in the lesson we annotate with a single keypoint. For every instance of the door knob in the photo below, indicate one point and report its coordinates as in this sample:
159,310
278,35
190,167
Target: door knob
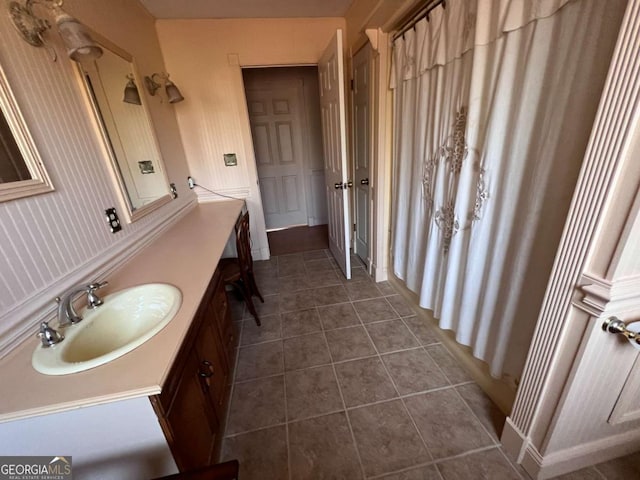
349,184
616,326
364,181
338,185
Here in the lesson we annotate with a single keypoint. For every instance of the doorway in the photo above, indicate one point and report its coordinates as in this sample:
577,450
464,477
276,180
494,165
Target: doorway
284,113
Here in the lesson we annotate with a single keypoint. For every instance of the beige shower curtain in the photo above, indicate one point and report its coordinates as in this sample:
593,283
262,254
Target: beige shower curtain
494,102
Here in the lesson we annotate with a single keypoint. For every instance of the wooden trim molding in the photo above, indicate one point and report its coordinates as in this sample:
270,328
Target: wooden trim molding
205,196
615,122
548,466
602,297
40,182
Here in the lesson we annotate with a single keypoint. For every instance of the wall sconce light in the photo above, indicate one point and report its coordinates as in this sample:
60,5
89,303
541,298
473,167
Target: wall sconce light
131,94
75,36
153,84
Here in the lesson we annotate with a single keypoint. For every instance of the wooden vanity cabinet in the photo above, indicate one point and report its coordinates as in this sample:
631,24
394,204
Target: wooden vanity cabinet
192,405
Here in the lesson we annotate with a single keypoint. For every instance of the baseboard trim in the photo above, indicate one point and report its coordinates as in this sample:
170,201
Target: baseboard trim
513,441
501,392
582,456
379,274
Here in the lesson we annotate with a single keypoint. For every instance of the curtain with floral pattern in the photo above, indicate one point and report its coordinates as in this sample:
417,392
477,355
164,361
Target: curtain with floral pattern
493,106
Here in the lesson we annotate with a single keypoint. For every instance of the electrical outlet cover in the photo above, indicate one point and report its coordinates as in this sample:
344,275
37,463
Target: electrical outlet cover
230,159
113,220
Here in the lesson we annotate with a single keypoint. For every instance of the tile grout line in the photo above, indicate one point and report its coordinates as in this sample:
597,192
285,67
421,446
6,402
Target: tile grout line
331,330
438,472
344,406
355,407
414,335
379,356
286,407
510,462
434,463
454,387
595,467
438,366
497,443
396,387
319,415
247,315
451,386
244,432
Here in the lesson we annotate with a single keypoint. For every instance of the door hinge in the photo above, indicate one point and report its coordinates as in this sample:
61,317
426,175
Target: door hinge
352,84
354,227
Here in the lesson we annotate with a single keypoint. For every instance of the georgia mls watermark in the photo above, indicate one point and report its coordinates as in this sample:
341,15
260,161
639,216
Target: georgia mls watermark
35,468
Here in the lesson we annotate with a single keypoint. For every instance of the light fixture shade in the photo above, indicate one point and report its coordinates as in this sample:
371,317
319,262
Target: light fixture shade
173,94
131,94
79,43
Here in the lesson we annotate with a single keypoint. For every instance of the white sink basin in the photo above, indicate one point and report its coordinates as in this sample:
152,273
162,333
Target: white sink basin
125,321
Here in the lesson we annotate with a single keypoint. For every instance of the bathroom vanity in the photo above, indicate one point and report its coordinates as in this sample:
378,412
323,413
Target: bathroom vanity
192,404
158,408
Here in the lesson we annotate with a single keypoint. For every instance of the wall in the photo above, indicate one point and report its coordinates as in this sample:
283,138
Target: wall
52,241
205,59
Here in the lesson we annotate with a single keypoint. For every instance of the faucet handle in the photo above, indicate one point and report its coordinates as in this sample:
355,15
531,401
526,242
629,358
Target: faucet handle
97,285
94,300
48,336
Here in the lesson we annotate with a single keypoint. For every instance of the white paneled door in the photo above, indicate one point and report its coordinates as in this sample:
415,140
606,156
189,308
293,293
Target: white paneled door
276,126
332,104
362,151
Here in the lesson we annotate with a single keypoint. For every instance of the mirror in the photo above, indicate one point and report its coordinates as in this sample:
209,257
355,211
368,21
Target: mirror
22,172
126,129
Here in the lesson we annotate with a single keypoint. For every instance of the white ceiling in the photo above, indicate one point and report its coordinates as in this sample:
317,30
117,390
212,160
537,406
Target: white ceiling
246,8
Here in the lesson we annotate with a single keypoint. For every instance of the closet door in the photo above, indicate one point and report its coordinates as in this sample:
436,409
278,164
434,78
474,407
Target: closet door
362,152
334,133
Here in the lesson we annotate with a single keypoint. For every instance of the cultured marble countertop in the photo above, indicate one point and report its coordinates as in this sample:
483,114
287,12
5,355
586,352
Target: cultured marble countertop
186,256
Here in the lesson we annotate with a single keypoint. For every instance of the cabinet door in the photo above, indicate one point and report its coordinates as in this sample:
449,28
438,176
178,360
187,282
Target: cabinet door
224,321
213,368
192,423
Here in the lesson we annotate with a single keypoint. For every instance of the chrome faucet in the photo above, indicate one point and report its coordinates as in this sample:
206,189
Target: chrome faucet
66,313
48,336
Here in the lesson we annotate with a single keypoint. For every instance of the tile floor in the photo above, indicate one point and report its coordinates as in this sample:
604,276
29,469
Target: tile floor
344,381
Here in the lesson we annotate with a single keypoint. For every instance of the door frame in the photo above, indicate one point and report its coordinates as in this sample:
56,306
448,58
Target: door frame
265,252
381,148
304,145
579,295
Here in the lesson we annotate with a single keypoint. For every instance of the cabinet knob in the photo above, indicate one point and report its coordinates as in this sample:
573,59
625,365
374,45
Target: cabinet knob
208,373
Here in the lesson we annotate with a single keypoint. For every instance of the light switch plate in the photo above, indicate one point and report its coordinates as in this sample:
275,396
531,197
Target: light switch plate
230,159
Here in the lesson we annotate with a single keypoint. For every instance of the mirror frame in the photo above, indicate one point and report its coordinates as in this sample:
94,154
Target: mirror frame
40,181
114,169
